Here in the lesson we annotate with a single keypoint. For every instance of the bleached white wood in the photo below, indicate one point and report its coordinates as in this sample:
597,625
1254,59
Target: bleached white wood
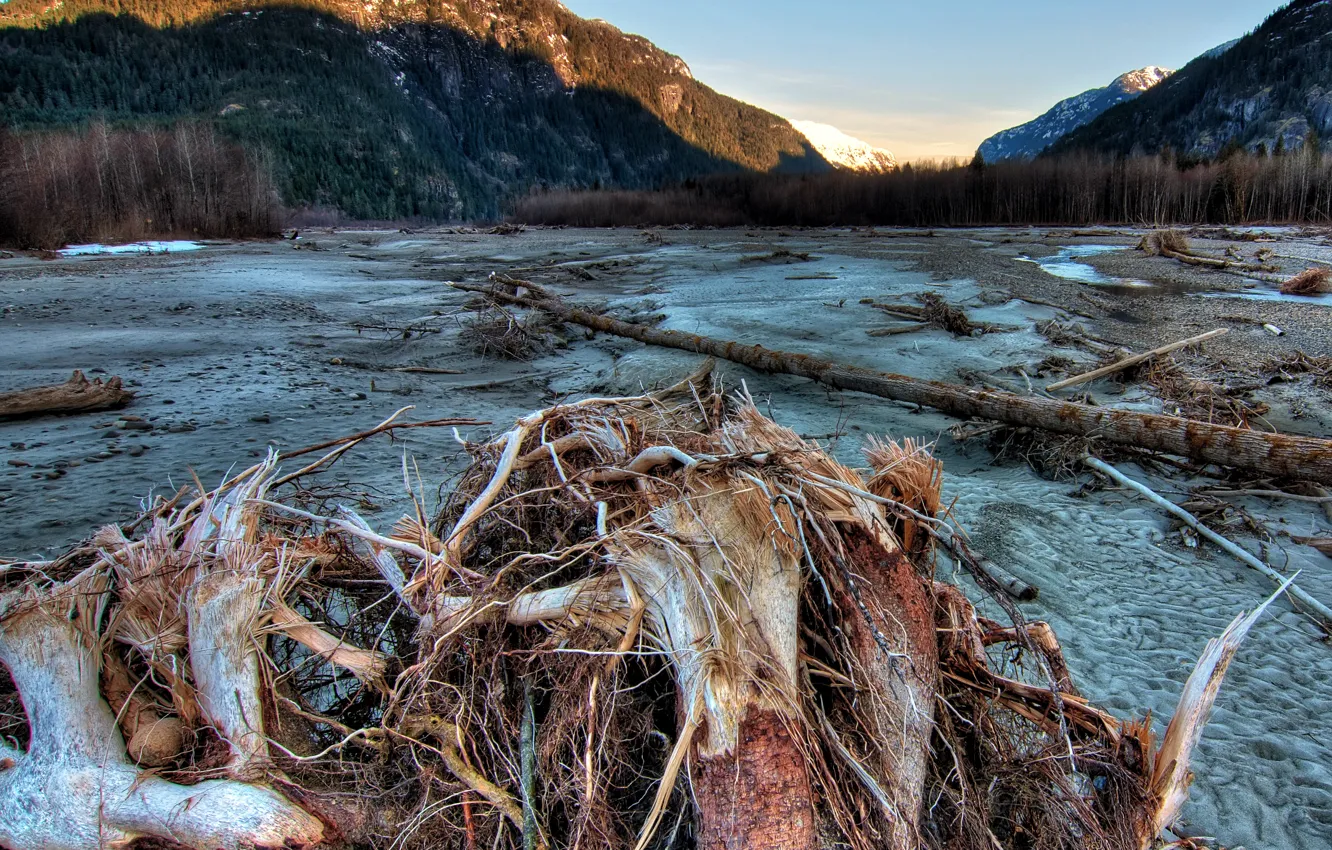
75,788
223,608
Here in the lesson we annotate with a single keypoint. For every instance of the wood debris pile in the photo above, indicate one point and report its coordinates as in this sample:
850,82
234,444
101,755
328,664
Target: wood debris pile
662,621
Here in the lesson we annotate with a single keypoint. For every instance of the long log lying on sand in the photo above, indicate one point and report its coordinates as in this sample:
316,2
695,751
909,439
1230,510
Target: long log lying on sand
77,395
1280,455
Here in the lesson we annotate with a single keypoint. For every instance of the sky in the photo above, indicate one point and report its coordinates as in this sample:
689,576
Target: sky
924,78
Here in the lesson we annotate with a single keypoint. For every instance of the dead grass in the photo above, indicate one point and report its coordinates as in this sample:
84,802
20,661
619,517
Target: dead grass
1296,364
1313,281
941,314
1055,457
781,255
1204,398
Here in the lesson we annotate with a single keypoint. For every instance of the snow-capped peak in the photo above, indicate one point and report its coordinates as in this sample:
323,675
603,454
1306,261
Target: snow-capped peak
1141,79
843,151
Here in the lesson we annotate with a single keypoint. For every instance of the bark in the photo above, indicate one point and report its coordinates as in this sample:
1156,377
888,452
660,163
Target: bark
1280,455
76,759
76,395
757,795
895,644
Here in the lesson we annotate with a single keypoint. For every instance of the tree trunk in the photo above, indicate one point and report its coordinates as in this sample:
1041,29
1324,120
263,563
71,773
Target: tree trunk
1280,455
76,395
757,795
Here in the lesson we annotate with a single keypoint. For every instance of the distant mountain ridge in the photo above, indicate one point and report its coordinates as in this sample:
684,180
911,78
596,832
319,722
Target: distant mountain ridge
1271,89
392,108
1030,139
844,151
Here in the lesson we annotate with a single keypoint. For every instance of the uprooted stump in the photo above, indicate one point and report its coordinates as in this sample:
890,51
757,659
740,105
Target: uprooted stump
662,621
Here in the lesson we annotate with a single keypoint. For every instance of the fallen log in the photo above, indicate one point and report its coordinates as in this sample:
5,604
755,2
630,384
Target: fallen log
1011,584
77,395
1129,362
1280,455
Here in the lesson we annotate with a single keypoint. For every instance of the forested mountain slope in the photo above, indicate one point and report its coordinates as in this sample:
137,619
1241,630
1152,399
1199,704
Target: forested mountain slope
434,109
1272,89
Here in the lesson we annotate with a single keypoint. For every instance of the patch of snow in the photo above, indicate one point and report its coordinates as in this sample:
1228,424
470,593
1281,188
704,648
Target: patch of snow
1219,49
1141,79
170,247
843,151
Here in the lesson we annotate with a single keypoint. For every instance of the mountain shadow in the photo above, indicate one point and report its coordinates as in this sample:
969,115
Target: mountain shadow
409,120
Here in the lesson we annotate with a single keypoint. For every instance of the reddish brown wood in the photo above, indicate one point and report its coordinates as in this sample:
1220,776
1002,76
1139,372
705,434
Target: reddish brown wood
758,796
896,645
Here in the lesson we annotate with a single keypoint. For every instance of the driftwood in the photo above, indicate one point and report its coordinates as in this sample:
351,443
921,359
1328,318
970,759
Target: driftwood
1321,611
903,329
1011,584
1279,455
1129,362
668,595
77,395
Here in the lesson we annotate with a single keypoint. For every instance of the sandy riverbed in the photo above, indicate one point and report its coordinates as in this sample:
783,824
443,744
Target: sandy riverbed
236,347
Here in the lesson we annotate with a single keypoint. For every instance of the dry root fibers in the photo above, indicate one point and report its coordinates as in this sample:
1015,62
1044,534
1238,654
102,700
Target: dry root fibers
650,622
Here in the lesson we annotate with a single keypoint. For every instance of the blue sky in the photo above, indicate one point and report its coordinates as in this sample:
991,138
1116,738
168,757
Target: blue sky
924,78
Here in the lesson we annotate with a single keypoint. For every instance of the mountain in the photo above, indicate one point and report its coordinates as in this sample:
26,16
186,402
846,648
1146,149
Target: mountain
1029,140
843,151
429,108
1272,89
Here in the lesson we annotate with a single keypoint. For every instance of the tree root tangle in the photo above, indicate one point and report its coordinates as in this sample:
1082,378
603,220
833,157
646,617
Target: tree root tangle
652,622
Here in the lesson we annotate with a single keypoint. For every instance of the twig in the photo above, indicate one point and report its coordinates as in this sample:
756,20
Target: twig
379,429
1269,494
1324,613
528,742
426,370
1134,360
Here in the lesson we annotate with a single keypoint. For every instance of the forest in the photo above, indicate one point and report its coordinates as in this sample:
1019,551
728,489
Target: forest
414,120
1073,189
103,185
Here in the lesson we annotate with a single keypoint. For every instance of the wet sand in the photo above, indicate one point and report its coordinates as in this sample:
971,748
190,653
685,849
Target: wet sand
237,347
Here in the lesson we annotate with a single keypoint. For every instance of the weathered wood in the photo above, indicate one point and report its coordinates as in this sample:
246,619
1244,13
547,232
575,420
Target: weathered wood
1280,455
77,395
1011,584
1211,262
1129,362
1318,609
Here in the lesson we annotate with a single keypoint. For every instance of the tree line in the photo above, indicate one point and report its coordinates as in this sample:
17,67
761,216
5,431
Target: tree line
102,184
1075,189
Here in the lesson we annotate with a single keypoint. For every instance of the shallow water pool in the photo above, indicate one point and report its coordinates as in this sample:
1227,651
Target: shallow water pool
1264,294
1064,264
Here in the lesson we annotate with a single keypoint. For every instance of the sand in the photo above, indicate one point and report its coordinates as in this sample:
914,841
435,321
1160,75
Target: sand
238,346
